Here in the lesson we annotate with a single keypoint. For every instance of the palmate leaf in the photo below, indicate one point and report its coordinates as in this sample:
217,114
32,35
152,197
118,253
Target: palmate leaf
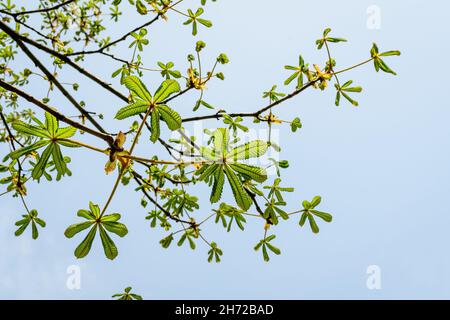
243,200
298,73
134,109
309,212
135,85
52,136
379,63
253,149
127,295
215,253
104,224
30,218
265,244
225,165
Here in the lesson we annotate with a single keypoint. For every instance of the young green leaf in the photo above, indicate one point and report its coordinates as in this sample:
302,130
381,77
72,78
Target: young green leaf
134,109
170,117
135,85
243,200
167,88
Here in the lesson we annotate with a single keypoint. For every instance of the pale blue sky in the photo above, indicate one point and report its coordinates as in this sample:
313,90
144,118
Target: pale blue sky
382,169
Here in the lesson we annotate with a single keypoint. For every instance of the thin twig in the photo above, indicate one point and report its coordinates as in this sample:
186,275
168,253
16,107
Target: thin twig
124,37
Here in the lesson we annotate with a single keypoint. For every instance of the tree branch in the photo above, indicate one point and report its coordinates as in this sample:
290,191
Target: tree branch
140,182
63,58
55,113
16,14
253,114
50,76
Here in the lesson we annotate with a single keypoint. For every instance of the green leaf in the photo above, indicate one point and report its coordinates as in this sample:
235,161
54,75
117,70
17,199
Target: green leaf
210,170
256,173
383,66
166,242
292,78
22,228
204,22
243,200
349,99
85,246
296,124
68,144
77,228
66,133
26,150
136,108
323,215
167,88
141,8
88,215
265,253
221,138
253,149
303,219
109,246
313,224
29,129
39,168
34,230
58,160
171,117
51,123
135,85
95,209
390,53
316,201
156,131
273,249
219,180
115,227
114,217
209,154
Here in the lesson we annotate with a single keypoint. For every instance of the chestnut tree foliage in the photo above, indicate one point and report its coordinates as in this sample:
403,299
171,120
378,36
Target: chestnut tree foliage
38,134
